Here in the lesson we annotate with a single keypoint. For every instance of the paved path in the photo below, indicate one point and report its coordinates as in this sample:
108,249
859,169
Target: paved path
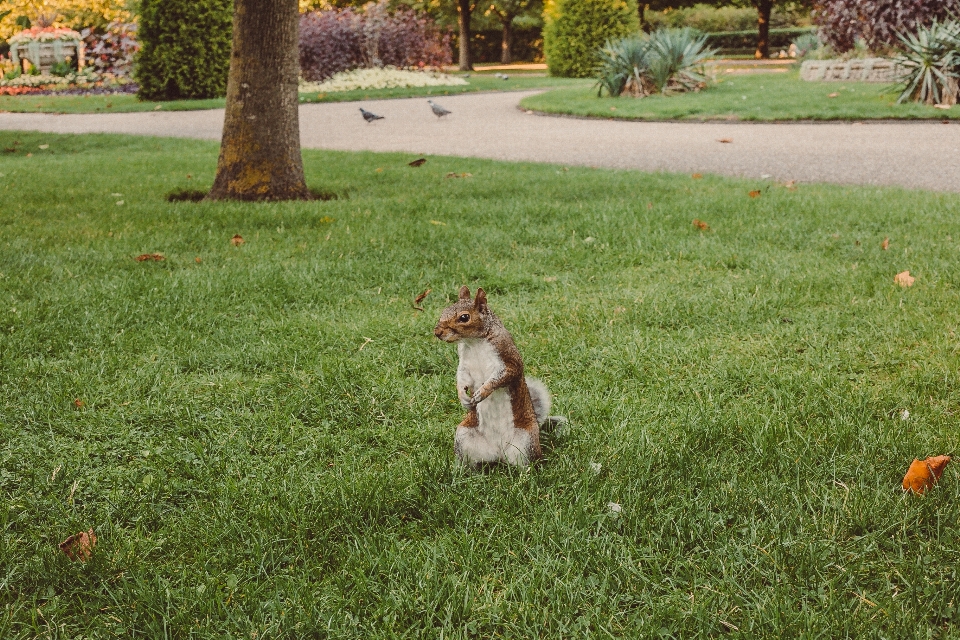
489,125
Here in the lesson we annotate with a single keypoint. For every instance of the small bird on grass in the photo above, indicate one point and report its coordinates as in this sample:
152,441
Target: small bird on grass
437,109
369,116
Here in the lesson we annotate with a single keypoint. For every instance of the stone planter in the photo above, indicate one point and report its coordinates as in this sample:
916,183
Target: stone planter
857,70
44,55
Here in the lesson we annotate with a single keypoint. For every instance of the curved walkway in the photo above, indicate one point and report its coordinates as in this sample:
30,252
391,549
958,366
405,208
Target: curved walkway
489,125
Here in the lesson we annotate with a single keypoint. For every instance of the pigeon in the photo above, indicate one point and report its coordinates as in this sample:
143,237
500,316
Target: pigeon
498,75
504,77
465,76
437,109
369,116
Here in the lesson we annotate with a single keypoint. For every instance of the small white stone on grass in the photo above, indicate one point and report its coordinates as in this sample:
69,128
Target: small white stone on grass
596,467
614,507
904,415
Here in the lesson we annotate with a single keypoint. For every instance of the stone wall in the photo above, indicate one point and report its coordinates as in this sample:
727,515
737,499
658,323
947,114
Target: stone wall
861,70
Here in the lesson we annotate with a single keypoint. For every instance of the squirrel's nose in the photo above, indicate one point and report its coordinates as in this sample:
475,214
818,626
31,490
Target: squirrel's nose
437,331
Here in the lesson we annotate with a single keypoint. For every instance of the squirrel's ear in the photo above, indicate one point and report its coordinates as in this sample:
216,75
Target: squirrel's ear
464,292
480,303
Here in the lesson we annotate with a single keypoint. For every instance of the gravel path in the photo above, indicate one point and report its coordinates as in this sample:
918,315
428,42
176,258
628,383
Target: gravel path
489,125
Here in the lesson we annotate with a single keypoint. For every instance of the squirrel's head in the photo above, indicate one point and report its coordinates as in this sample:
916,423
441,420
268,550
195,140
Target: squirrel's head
465,318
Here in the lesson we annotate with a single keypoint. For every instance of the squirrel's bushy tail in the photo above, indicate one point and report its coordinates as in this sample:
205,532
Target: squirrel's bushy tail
540,396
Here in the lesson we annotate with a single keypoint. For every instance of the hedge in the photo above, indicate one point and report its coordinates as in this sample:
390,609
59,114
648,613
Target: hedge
185,49
577,29
746,41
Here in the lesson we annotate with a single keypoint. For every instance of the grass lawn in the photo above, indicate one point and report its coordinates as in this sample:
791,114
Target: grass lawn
128,103
767,96
261,435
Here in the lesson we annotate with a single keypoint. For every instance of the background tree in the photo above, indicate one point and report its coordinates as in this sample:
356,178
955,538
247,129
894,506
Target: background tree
464,11
506,11
260,151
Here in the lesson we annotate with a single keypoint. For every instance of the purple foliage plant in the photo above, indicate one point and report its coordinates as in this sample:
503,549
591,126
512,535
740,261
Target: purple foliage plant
876,22
112,51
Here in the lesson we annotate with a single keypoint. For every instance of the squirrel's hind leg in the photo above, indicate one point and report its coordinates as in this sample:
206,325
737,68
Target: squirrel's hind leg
472,448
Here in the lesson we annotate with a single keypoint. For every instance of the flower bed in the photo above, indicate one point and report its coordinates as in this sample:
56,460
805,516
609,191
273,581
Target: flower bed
382,78
44,34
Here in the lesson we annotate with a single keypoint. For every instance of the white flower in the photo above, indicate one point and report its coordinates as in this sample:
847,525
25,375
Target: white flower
380,78
596,467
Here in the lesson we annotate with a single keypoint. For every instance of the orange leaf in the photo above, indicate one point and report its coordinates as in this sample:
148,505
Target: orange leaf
725,140
419,299
80,545
197,260
237,240
697,176
755,193
78,403
885,244
904,279
150,256
922,475
791,185
833,95
700,224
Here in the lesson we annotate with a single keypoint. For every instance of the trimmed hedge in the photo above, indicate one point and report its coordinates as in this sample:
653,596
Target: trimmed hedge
577,29
185,49
746,41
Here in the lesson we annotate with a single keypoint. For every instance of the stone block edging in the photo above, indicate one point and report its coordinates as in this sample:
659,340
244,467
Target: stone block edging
858,70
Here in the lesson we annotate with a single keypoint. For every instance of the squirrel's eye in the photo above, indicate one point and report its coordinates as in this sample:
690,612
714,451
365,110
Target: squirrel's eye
464,318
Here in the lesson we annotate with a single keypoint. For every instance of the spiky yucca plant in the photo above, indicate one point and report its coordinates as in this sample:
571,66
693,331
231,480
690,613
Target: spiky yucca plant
930,63
665,61
625,67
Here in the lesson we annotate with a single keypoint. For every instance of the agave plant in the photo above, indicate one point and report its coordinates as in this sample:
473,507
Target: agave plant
930,63
666,60
677,59
625,66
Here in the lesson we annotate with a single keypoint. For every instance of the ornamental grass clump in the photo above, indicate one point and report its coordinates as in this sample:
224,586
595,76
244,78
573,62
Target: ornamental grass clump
666,61
930,64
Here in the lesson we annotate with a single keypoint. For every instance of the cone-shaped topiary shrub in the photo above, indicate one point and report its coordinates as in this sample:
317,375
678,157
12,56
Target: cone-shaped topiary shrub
577,29
185,48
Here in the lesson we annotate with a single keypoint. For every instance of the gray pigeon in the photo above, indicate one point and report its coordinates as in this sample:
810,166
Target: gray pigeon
437,109
369,116
504,77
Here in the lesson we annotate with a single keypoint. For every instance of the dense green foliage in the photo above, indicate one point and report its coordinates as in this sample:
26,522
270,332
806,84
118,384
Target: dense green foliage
765,96
931,63
746,41
665,61
185,48
577,29
263,438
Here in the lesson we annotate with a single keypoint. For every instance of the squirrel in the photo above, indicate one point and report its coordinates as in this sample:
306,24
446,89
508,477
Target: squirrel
504,409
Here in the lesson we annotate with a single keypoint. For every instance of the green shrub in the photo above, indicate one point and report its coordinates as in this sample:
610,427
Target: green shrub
577,29
746,41
666,61
711,19
185,49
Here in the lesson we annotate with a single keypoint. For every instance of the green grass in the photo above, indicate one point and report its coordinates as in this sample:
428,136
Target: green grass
759,97
130,103
264,444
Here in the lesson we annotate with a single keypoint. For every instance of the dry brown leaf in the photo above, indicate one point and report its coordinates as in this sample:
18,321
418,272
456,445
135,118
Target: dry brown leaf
454,174
755,193
237,240
700,224
79,546
197,260
904,279
649,205
885,244
791,185
923,474
613,108
418,162
419,299
379,169
78,403
725,140
697,176
143,257
833,95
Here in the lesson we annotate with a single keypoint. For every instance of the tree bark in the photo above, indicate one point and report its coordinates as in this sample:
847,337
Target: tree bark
260,150
763,27
506,44
463,21
641,10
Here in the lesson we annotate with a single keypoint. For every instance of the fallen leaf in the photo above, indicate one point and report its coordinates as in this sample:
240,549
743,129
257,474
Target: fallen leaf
143,257
700,224
197,260
904,279
754,194
454,174
613,108
79,546
923,474
189,177
697,176
791,185
419,299
29,155
438,223
119,203
833,95
550,279
44,146
78,403
237,240
725,140
417,162
649,205
885,244
379,169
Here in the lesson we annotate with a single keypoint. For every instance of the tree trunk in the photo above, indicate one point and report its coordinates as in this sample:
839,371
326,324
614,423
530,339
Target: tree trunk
763,24
641,10
260,150
506,44
463,20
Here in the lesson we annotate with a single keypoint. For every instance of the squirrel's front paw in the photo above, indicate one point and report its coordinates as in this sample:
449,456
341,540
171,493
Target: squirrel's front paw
466,399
